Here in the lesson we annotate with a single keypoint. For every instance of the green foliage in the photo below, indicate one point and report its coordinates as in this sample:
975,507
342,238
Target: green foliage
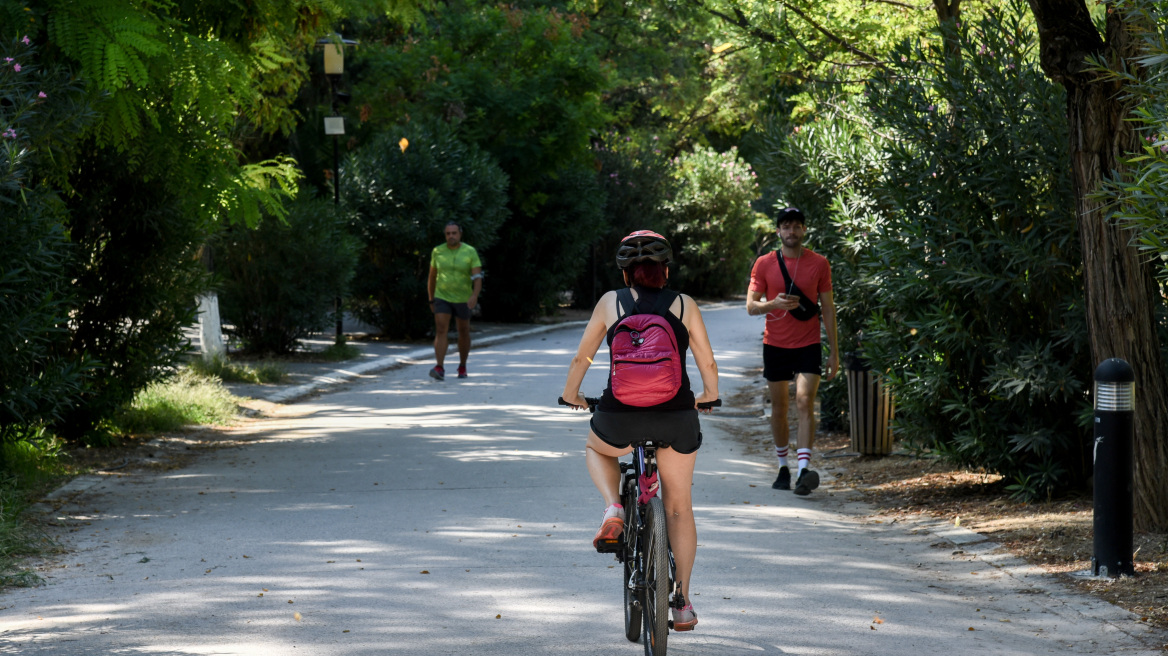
136,278
524,85
712,223
635,180
544,253
953,248
281,278
167,405
1140,197
40,383
401,200
979,323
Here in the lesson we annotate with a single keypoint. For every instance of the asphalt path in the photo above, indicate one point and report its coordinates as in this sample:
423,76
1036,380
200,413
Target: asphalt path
401,515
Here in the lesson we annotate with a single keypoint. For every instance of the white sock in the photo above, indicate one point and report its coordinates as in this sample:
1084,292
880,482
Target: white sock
781,454
804,458
615,510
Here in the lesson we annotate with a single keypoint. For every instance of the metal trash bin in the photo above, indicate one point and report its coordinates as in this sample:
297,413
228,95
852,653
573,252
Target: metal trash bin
869,408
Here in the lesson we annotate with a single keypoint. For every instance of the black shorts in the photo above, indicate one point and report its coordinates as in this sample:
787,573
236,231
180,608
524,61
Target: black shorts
460,310
779,364
678,429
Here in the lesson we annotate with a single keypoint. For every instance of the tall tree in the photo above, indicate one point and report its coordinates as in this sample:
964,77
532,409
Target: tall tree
1121,293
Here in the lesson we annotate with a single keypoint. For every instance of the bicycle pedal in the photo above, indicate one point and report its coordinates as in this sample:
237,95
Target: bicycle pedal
609,546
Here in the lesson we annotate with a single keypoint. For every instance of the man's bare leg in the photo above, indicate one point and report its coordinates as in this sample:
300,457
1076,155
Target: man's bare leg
441,341
463,340
806,387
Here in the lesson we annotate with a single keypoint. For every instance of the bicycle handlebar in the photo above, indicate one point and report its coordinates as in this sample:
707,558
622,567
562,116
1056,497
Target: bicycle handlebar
593,402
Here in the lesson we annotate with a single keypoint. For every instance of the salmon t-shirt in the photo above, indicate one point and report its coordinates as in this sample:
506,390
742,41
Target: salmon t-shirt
811,274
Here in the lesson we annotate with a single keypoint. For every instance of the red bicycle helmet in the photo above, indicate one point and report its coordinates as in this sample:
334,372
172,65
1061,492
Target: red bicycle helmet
643,245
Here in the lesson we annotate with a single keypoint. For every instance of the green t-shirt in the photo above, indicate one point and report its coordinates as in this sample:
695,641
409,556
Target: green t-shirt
454,283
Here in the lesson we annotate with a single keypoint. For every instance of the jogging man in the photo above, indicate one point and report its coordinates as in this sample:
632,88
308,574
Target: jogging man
456,278
795,280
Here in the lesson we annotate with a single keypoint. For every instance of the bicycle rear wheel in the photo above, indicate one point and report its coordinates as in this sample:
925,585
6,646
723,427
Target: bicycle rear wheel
632,597
656,549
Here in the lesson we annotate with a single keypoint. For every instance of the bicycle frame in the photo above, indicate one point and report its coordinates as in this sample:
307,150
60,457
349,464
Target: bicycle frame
642,473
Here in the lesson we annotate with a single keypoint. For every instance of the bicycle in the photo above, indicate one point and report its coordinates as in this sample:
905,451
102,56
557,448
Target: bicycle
650,574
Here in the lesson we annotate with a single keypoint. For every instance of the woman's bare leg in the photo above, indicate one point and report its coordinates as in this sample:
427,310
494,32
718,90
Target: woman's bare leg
676,472
604,468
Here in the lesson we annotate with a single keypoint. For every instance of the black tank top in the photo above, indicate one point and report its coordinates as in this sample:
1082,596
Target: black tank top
684,399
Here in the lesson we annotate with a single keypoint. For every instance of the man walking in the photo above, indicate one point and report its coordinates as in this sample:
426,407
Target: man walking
456,278
798,284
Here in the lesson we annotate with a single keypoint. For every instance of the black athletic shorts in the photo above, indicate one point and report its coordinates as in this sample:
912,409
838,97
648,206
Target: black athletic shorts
779,364
460,310
679,429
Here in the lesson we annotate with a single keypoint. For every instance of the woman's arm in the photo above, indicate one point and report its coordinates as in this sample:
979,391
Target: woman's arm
703,353
594,334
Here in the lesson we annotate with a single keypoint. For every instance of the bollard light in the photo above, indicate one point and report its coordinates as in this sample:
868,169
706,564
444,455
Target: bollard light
1114,427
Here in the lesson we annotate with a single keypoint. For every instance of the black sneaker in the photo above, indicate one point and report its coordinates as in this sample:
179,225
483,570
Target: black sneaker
808,480
438,373
783,482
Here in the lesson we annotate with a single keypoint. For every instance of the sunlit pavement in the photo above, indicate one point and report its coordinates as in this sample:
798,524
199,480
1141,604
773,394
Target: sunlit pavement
407,516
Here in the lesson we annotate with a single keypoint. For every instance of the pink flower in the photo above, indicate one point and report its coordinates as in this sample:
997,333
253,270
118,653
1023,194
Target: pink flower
10,133
25,40
7,60
16,67
1164,148
42,94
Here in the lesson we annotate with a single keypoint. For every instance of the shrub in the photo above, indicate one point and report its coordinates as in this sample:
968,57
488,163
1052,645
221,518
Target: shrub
980,325
40,380
540,255
401,198
635,181
712,222
279,280
136,274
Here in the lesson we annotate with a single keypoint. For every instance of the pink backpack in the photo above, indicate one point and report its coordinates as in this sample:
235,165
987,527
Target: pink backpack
646,363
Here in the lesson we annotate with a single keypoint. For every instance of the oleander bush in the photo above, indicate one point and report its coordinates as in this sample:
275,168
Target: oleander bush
280,279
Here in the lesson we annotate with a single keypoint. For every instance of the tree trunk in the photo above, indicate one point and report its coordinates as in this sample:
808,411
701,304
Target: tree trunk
1121,293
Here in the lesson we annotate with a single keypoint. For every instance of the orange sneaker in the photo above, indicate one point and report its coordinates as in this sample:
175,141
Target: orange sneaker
684,619
610,532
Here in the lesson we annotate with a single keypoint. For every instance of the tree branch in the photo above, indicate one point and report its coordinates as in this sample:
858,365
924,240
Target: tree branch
1066,36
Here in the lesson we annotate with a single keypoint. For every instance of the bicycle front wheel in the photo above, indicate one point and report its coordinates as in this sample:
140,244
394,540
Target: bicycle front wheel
656,545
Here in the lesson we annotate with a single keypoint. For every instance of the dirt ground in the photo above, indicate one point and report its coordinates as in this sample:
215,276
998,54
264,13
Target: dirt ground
1055,535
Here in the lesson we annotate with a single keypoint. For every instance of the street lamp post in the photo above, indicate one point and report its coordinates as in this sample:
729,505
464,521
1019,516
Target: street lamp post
334,125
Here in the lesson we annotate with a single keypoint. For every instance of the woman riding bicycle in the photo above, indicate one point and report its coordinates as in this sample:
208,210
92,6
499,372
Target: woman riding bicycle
643,257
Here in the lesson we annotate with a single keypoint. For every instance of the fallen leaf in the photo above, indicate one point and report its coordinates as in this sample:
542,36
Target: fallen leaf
877,620
499,616
260,594
345,631
296,616
425,571
264,589
247,556
872,627
289,601
971,629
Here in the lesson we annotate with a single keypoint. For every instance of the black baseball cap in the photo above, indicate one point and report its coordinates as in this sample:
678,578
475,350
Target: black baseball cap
790,214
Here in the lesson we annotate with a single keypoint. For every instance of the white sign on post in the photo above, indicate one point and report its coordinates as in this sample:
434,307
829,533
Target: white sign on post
334,125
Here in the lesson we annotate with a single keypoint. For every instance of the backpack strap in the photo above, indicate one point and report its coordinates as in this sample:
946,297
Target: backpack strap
664,301
625,303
